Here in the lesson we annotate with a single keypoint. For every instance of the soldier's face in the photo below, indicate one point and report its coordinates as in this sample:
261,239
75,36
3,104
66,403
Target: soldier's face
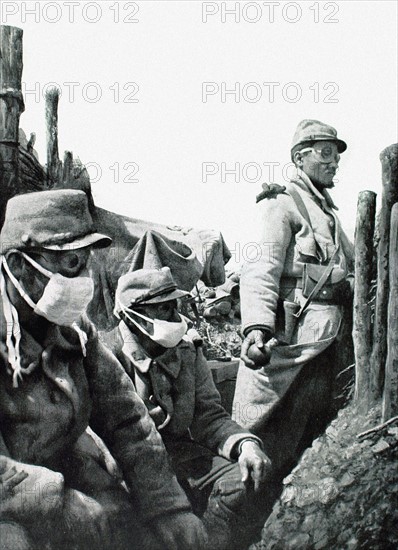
165,311
320,163
69,263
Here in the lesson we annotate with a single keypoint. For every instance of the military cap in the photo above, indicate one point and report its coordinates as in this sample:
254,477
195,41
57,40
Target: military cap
146,286
314,130
55,220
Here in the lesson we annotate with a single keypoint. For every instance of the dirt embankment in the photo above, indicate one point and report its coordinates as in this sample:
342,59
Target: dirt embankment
344,492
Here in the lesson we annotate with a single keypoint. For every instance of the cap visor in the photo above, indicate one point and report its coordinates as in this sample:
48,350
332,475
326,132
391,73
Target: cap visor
221,295
93,239
341,145
165,297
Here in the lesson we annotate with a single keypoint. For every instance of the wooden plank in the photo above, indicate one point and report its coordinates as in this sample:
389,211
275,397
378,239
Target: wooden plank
389,162
364,233
11,107
223,371
53,162
390,394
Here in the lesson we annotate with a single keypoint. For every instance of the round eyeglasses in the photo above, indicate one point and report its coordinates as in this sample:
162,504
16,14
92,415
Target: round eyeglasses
325,154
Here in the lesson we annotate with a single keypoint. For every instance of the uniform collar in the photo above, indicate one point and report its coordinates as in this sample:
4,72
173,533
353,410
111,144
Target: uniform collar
133,350
305,183
31,351
169,361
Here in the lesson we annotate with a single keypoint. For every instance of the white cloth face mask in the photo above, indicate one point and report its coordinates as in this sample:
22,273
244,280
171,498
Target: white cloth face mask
166,333
64,299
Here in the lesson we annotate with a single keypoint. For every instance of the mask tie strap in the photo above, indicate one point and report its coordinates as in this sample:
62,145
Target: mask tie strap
13,333
82,337
125,311
18,285
47,273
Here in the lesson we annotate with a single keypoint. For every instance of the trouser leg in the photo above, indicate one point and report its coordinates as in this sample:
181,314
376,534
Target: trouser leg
232,513
97,512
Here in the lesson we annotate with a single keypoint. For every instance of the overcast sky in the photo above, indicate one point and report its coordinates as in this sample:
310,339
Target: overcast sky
164,99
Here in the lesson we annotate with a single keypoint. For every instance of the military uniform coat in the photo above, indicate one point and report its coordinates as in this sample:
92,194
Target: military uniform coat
287,242
181,381
43,419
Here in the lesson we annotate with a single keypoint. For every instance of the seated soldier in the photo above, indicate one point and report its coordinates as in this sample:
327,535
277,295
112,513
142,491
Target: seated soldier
56,378
221,466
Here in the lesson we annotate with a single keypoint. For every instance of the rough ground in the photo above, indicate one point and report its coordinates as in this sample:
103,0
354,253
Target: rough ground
219,325
344,492
221,339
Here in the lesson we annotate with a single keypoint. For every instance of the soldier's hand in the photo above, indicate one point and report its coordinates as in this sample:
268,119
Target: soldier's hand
257,337
254,463
28,491
180,531
9,478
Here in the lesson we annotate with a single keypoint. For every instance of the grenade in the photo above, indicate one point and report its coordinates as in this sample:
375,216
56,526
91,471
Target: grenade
261,356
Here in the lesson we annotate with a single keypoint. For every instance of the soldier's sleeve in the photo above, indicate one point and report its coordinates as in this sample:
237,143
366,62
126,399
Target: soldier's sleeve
120,418
259,283
212,426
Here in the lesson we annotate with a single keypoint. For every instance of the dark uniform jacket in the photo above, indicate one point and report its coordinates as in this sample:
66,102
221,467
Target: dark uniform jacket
181,381
43,418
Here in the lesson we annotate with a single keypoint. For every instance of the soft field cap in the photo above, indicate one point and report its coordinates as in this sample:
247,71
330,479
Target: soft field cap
147,286
55,220
314,130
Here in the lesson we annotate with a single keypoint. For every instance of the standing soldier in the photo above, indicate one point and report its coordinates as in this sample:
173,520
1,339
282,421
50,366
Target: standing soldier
292,301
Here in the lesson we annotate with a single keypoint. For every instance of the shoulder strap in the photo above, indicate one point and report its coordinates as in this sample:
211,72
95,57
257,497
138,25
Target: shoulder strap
291,189
322,280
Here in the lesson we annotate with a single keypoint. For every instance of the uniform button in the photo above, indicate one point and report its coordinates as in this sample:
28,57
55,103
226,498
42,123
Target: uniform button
331,223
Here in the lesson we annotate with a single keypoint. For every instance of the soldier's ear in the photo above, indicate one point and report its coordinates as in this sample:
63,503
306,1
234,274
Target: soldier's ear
298,159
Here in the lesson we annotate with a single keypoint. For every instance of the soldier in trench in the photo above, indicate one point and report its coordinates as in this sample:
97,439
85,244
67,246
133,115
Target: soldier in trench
56,378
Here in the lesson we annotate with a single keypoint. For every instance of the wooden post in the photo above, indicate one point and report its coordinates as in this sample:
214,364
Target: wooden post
364,233
390,395
67,169
389,162
53,162
11,107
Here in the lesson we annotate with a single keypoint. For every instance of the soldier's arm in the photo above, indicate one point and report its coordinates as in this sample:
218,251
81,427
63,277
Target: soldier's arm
212,426
121,419
259,284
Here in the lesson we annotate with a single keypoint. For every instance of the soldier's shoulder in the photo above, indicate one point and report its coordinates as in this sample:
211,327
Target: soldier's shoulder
271,191
111,339
191,340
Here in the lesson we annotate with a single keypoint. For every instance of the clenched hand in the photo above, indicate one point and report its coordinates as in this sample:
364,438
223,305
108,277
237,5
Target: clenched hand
256,337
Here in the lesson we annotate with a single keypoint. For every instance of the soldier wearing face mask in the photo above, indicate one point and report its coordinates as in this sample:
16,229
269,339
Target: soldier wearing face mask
220,465
56,378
